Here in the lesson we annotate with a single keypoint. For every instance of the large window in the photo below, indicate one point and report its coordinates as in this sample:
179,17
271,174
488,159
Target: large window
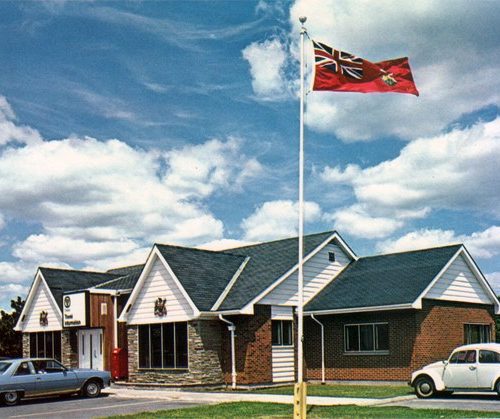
45,345
163,345
368,337
477,333
282,334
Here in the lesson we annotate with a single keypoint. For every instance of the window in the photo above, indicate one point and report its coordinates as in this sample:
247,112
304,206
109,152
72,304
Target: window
45,345
4,365
331,256
163,345
23,369
104,309
477,333
463,357
369,337
47,366
489,357
282,332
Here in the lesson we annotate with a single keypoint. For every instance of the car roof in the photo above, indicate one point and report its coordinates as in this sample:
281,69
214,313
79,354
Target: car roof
486,346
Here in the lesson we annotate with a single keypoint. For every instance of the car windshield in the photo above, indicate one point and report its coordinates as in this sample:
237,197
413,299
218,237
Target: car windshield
4,365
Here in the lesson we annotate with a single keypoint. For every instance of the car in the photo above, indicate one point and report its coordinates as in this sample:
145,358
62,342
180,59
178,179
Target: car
33,377
474,367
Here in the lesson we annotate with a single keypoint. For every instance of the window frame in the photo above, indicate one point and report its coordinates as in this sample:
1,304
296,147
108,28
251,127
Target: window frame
149,347
482,327
374,339
41,339
282,334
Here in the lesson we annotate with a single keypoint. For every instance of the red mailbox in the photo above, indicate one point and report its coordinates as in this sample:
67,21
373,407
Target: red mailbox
119,364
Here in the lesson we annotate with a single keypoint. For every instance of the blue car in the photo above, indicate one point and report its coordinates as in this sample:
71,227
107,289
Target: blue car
33,377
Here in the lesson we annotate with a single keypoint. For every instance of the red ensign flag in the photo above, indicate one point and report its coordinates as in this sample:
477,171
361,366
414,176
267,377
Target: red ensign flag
343,72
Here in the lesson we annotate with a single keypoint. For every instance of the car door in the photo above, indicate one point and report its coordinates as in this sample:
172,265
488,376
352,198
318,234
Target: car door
23,378
488,368
461,371
52,377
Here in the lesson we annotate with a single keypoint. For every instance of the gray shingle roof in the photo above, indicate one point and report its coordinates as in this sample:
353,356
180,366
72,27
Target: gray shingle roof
64,280
268,262
397,278
204,274
130,277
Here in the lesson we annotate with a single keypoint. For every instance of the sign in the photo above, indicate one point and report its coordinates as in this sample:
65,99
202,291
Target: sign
75,309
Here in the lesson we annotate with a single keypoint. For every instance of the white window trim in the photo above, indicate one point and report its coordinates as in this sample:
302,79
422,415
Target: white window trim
293,335
374,352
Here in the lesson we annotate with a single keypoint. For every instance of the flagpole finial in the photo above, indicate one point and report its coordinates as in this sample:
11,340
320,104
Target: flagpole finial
302,19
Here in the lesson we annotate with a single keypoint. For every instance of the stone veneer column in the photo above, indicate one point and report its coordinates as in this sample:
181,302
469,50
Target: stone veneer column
69,348
204,353
26,345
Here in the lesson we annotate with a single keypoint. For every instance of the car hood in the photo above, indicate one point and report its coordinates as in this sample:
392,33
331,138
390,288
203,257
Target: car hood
439,365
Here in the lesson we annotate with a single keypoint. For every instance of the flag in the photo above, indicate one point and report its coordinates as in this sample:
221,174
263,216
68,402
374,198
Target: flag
340,71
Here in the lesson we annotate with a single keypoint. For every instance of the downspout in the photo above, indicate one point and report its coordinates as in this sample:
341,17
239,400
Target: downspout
322,348
232,328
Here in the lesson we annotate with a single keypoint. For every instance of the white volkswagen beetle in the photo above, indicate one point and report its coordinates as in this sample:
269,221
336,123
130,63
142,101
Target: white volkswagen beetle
473,367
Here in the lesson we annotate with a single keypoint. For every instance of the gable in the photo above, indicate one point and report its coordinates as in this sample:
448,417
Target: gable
42,300
458,283
159,283
318,272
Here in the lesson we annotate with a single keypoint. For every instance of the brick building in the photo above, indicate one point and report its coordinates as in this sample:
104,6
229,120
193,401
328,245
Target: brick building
198,317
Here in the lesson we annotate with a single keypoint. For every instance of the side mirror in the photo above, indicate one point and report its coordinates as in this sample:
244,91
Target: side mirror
445,363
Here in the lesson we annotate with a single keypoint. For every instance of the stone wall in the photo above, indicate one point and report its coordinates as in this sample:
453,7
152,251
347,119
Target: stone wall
26,345
204,358
69,348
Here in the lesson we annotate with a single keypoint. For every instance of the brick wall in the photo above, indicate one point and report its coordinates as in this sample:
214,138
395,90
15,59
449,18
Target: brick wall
253,347
416,338
204,354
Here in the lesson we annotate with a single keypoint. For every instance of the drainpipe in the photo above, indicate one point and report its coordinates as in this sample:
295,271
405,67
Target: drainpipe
322,348
231,327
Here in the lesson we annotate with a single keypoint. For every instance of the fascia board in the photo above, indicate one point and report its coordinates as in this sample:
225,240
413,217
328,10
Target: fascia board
360,309
29,300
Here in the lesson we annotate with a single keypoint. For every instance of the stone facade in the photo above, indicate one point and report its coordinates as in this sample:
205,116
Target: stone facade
26,345
69,348
416,338
204,358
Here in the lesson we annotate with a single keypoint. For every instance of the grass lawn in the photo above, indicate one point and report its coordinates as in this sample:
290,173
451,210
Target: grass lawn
342,390
272,410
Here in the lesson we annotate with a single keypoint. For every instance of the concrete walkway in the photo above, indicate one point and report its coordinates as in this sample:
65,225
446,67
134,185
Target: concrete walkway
221,397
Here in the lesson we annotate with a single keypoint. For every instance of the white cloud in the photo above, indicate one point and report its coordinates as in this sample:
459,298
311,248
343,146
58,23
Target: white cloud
494,280
452,171
482,244
267,66
10,131
10,292
277,219
434,35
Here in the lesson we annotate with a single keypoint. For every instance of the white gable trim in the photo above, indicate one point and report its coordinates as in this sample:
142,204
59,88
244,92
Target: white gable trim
153,255
39,280
462,251
249,307
230,285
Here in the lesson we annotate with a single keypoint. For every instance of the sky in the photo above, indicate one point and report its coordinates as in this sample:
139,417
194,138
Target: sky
124,124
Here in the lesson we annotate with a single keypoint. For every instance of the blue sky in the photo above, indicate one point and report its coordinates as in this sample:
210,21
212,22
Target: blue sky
128,123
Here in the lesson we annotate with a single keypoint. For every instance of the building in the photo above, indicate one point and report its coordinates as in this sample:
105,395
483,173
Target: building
198,317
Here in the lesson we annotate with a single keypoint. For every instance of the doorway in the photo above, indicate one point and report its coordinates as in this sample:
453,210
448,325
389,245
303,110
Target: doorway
90,349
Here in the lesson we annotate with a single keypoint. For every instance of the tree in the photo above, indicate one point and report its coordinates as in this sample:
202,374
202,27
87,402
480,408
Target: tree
11,342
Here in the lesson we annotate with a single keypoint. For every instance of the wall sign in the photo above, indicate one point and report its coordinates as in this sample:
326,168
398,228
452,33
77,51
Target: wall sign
44,318
160,307
75,307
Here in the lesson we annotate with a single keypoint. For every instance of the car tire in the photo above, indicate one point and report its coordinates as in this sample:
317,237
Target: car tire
424,388
11,398
497,388
91,389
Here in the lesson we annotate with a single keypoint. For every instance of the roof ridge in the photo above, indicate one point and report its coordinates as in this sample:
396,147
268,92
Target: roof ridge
412,251
125,267
76,270
224,252
284,239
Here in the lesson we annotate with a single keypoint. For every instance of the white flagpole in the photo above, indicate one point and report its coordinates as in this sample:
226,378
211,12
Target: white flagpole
300,308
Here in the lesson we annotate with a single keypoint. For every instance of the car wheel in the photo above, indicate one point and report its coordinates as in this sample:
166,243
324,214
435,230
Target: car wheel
91,389
11,398
497,387
424,387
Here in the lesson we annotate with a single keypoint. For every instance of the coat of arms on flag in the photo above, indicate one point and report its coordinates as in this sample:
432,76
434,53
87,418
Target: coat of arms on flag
337,70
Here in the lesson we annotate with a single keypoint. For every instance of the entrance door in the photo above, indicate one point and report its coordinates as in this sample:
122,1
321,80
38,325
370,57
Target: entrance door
90,349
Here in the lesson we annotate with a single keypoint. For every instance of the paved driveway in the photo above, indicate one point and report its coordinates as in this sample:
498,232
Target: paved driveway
79,407
458,401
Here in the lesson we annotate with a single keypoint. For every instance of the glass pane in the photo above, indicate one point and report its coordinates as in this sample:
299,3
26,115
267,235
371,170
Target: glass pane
352,338
23,369
276,332
484,333
49,353
181,345
33,353
366,337
459,357
144,361
470,357
57,345
168,346
382,333
155,346
489,357
287,332
41,344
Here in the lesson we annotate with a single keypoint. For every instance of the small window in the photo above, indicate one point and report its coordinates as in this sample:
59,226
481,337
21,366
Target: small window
104,309
282,332
331,256
369,337
489,357
477,333
23,369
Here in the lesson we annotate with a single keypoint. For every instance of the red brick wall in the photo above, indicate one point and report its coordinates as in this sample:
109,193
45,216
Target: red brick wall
253,348
416,338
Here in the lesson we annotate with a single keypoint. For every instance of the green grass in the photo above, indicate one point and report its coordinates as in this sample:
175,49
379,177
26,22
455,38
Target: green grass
273,410
341,390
